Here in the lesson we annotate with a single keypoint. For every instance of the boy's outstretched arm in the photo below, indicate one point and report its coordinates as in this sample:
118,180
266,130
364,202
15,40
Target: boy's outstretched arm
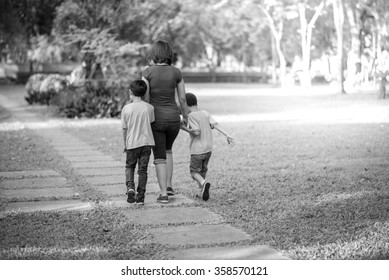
216,126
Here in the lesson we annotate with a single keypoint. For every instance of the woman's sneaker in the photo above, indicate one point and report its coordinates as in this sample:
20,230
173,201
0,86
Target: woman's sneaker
205,191
131,196
163,199
170,191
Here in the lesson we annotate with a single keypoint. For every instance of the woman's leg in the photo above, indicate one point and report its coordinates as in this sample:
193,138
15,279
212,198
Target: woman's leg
171,135
169,169
161,171
159,151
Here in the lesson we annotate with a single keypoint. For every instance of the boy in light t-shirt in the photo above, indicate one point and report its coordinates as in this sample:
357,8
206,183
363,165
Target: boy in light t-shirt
200,125
138,139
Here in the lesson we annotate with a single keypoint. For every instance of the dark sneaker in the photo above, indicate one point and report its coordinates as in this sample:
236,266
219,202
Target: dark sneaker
205,191
131,196
170,191
140,200
163,199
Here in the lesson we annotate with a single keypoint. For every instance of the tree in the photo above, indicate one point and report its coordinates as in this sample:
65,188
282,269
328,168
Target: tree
354,65
94,29
306,37
10,27
381,13
23,20
276,15
339,21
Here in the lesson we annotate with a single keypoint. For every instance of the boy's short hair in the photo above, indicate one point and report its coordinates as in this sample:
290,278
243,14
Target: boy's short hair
191,99
138,88
161,52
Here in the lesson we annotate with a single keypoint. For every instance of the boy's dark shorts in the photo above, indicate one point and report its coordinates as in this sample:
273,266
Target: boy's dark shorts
199,163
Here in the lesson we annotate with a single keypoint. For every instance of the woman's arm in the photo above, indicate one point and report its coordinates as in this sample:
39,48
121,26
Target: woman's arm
182,100
147,95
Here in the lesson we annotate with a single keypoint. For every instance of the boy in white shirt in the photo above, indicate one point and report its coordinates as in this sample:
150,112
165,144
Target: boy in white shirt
200,125
138,139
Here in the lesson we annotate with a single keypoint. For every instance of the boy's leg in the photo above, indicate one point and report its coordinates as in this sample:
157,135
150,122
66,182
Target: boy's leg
131,160
143,163
198,178
206,186
195,168
204,167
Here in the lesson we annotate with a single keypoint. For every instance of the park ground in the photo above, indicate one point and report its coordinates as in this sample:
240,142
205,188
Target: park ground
308,174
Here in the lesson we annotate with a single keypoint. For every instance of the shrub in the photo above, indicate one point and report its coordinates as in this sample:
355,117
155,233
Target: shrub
97,99
41,88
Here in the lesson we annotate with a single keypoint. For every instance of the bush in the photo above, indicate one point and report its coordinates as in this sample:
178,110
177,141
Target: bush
94,100
41,88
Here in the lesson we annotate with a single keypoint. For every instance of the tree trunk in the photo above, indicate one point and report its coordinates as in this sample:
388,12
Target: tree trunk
274,62
339,20
306,40
282,59
383,88
306,79
354,66
277,35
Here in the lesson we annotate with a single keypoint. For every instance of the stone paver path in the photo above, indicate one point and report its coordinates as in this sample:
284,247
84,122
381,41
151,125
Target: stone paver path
56,205
40,190
179,223
28,174
33,183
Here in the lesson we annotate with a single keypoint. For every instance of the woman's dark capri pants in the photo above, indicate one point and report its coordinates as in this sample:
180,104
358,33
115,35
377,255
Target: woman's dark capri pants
164,135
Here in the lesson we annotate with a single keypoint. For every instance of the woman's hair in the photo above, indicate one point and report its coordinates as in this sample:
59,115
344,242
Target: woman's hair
161,52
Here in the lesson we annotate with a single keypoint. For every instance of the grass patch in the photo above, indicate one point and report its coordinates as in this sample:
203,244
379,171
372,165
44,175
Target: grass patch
23,150
102,233
314,191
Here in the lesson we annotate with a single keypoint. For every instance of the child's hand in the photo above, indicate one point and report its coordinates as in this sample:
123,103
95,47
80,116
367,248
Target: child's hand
184,121
230,141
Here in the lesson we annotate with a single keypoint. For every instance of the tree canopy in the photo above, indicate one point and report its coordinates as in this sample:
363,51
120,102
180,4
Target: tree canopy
253,34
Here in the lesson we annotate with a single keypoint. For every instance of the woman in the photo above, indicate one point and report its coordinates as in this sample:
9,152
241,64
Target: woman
162,81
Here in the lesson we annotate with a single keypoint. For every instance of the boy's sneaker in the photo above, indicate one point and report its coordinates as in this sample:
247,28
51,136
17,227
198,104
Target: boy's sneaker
140,200
170,191
163,199
205,191
131,196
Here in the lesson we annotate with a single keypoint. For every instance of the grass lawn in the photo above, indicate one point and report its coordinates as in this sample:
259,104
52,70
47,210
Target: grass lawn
314,190
308,174
103,233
